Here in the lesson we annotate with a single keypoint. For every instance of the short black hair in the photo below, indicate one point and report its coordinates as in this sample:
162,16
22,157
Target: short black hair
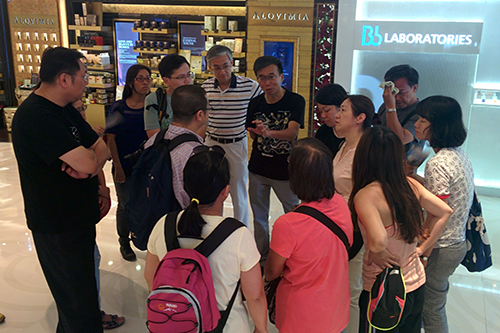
446,124
169,64
58,60
400,71
186,101
311,170
264,61
362,104
331,94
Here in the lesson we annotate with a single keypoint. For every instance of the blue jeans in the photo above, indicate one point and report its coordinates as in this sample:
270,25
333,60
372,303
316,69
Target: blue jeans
442,264
259,190
122,226
97,262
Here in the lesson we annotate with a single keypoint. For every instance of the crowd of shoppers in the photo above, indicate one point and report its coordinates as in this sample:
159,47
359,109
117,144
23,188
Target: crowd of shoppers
352,173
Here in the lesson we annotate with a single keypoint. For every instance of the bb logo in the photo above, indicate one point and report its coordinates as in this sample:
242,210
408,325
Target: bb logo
371,36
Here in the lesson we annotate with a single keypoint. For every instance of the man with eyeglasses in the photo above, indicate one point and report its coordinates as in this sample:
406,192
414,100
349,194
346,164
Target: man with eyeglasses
228,95
273,122
175,72
59,156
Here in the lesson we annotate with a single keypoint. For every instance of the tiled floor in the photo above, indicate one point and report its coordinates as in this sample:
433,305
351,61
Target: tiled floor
473,302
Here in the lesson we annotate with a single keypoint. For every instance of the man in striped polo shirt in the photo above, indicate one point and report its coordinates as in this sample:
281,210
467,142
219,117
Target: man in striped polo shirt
228,95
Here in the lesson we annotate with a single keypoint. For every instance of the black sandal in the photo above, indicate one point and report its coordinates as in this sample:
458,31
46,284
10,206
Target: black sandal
113,323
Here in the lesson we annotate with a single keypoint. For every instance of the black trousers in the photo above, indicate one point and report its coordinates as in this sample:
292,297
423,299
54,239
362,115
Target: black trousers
411,320
67,261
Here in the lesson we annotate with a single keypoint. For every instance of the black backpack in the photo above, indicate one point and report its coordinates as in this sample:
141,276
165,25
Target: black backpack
161,107
152,194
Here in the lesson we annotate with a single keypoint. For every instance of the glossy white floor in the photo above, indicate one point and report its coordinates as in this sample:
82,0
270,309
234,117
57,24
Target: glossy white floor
473,302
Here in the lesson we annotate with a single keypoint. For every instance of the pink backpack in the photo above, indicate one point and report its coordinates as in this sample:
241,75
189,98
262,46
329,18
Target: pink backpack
183,296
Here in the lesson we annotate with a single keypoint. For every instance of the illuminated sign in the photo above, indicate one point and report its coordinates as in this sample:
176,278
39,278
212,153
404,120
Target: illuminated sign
281,16
35,21
425,37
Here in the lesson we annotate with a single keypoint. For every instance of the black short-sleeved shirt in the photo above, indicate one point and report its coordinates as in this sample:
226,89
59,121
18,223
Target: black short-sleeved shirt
42,132
325,134
270,155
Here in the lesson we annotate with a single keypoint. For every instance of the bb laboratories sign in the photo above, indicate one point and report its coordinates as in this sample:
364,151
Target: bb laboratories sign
420,37
281,16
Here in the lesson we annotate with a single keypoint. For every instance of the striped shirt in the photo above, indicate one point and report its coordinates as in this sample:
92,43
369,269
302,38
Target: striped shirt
229,108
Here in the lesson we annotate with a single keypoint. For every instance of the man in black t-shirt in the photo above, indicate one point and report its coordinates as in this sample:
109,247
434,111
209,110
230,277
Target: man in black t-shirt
58,157
273,121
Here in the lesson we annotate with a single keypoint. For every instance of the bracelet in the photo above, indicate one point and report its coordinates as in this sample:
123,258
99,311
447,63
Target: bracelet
391,110
424,258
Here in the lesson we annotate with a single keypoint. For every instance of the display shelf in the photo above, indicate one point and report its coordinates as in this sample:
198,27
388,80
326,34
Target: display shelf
88,28
153,51
100,85
101,68
169,31
92,48
223,33
487,97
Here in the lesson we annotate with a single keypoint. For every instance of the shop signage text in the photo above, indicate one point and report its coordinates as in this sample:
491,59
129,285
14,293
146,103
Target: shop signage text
432,37
280,16
35,21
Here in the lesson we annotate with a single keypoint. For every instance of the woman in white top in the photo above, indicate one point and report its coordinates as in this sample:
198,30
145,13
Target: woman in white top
355,116
449,176
206,180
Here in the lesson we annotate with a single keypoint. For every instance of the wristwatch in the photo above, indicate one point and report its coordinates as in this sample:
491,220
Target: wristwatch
391,110
424,258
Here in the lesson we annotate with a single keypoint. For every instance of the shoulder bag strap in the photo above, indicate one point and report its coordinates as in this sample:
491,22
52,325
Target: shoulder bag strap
313,212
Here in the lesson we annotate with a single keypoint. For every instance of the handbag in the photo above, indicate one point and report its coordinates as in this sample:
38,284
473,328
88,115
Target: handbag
478,256
270,287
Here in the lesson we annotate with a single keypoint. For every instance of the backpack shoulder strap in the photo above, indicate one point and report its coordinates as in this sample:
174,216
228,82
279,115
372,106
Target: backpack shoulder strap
161,99
313,212
220,233
170,231
180,140
159,138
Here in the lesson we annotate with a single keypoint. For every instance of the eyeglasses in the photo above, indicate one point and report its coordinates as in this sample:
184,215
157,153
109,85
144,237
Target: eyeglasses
189,76
142,79
85,77
263,78
222,68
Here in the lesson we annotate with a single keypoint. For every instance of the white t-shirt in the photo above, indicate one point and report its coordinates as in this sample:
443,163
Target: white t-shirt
238,253
449,175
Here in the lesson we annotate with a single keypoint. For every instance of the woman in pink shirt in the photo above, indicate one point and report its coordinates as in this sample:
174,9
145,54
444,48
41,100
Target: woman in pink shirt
313,295
388,206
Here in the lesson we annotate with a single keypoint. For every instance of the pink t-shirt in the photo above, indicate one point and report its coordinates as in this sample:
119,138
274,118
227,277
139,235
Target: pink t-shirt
313,295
